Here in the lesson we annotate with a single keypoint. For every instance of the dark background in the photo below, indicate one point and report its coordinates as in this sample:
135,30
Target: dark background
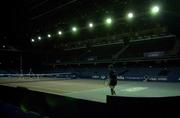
25,19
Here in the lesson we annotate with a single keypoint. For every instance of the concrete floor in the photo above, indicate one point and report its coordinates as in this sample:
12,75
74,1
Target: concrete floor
94,90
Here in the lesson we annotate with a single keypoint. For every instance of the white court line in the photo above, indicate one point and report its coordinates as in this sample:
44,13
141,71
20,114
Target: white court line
134,89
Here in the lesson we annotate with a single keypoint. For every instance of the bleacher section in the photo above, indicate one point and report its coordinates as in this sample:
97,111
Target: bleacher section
72,55
8,71
101,52
139,48
144,48
157,46
174,74
3,71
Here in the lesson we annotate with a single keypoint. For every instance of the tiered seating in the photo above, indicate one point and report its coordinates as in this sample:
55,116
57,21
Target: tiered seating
141,72
3,71
72,55
95,52
137,49
102,52
174,73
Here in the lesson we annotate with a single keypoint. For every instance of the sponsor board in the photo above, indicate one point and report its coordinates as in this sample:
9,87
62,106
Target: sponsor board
133,78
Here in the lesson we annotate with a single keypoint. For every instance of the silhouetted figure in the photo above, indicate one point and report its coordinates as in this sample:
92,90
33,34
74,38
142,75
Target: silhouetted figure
112,79
30,73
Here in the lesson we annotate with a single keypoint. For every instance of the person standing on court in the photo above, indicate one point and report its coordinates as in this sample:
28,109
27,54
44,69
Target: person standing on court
112,79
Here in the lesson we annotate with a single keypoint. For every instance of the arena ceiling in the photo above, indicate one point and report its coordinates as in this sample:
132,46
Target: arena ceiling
24,18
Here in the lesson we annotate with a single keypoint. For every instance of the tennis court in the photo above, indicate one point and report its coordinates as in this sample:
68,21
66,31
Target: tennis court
94,90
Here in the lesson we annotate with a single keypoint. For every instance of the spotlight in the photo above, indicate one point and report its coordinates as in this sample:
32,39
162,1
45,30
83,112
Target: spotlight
91,25
155,10
130,15
49,36
74,29
108,21
32,40
60,32
39,38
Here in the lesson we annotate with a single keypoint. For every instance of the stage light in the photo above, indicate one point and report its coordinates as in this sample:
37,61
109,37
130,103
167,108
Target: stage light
32,40
91,25
60,32
108,21
39,38
130,15
49,36
74,29
4,46
155,10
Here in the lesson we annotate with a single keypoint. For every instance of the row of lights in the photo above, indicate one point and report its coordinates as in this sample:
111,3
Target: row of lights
108,21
